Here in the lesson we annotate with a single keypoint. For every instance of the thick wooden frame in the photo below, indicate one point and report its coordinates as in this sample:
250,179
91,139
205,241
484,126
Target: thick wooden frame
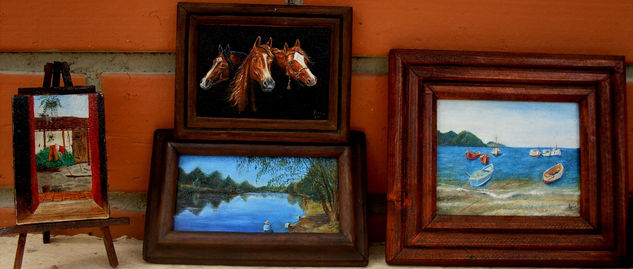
164,245
333,129
417,235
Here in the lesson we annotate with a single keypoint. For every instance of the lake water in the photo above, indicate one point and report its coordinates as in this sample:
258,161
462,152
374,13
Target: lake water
208,211
516,187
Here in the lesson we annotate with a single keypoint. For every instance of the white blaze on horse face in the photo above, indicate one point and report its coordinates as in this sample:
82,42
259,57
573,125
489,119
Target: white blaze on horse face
266,69
203,83
301,60
217,62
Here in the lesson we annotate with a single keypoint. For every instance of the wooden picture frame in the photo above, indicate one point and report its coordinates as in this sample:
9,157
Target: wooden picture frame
296,113
164,244
417,235
72,184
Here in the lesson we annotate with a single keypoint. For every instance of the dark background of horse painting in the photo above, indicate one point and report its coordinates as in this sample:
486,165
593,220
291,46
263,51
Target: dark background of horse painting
300,102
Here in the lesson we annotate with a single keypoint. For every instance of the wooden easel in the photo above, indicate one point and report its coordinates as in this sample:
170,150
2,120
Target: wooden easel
103,224
51,85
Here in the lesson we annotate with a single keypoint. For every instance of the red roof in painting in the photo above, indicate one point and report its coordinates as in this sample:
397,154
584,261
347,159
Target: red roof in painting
59,123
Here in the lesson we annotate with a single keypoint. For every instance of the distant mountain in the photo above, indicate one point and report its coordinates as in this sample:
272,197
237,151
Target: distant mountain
491,144
464,139
445,138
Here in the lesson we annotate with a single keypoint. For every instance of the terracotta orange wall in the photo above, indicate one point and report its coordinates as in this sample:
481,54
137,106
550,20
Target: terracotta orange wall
572,26
137,104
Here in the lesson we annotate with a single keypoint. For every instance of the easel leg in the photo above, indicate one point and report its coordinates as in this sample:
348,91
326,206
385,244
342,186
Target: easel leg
109,246
19,253
46,237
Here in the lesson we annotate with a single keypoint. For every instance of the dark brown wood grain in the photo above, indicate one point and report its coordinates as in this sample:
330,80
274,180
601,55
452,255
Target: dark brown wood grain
19,252
333,129
416,235
52,226
109,246
164,245
46,237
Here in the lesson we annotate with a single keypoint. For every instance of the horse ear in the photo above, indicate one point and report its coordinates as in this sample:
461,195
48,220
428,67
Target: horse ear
220,48
270,41
258,41
297,43
228,48
285,46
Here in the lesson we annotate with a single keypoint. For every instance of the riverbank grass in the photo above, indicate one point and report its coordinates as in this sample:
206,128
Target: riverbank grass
315,220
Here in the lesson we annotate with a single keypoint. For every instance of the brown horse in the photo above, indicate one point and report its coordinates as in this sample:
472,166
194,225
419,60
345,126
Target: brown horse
255,67
294,61
223,67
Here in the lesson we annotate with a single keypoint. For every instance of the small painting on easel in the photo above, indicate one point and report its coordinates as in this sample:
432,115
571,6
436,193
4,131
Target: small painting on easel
60,139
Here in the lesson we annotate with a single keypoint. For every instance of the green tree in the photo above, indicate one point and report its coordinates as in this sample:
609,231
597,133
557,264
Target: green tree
213,180
196,175
229,185
321,180
50,105
245,186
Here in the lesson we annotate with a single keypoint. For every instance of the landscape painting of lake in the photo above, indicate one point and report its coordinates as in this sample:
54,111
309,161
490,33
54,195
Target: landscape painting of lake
508,158
257,194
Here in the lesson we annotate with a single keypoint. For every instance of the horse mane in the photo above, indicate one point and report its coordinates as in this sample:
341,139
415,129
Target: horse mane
239,85
238,53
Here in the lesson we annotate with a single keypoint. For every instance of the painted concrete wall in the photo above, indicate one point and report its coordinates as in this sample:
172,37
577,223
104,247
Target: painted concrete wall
49,138
125,47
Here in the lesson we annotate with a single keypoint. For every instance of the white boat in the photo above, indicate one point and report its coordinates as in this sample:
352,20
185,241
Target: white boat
481,176
535,153
556,152
496,151
546,153
553,173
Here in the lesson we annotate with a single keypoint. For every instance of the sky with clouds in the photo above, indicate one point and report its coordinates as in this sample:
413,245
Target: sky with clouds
516,124
73,105
228,166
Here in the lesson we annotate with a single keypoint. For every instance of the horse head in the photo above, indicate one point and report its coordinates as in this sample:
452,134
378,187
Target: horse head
221,68
261,58
295,62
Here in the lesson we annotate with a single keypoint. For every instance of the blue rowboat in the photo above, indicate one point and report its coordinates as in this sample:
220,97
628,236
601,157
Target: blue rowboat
481,176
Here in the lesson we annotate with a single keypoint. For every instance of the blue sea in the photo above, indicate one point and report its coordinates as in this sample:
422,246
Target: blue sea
516,187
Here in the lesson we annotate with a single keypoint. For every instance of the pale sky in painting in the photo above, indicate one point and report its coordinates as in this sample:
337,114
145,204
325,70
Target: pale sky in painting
74,105
517,124
226,165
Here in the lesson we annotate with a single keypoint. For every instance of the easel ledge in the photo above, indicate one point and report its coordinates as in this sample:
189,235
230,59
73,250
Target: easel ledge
51,226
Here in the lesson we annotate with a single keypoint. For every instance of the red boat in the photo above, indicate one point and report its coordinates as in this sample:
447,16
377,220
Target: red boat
472,156
484,158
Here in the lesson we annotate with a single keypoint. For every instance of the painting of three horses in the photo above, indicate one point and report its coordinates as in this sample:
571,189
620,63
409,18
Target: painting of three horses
263,72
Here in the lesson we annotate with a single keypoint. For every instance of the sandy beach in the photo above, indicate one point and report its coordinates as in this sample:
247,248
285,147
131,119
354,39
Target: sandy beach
508,198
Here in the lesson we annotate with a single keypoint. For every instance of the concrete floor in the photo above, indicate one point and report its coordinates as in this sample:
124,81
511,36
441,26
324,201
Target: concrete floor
84,251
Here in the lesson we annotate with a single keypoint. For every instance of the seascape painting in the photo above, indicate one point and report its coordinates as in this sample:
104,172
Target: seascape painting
508,158
257,194
263,72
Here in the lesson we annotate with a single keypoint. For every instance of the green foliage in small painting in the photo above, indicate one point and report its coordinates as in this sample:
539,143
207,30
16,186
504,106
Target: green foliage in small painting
64,159
214,181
